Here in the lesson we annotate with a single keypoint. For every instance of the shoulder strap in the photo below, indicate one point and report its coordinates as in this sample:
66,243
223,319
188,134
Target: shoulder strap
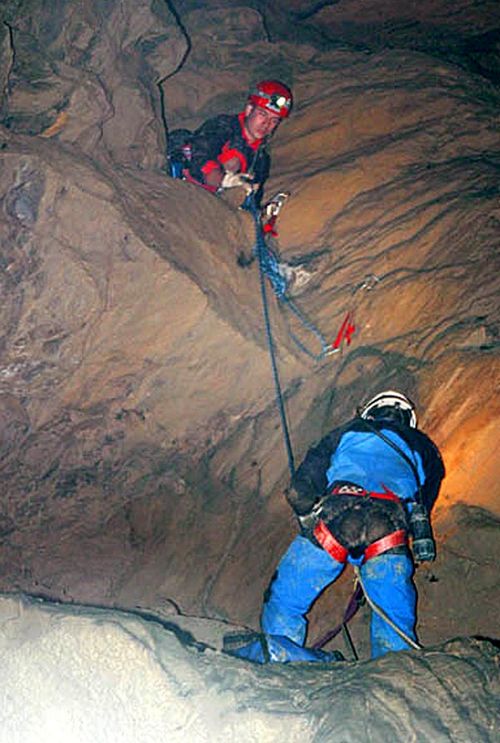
401,453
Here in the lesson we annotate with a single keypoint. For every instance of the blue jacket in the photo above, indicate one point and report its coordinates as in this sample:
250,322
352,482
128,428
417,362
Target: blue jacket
358,453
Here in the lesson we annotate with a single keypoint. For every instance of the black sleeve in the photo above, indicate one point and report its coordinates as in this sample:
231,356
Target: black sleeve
310,480
261,172
208,140
431,462
433,468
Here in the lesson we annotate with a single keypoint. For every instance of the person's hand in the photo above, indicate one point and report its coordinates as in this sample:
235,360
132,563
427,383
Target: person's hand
308,521
238,180
309,518
301,507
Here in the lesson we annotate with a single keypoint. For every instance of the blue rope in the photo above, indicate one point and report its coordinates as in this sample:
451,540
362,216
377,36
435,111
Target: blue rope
269,267
269,264
326,348
262,253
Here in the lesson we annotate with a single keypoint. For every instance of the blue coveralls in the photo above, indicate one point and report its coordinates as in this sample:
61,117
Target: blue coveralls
306,569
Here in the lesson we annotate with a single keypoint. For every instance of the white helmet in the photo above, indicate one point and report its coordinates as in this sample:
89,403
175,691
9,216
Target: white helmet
374,408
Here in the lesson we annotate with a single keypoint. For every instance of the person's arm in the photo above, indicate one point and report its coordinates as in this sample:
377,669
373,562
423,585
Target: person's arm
309,482
420,526
432,464
261,173
207,143
229,176
434,472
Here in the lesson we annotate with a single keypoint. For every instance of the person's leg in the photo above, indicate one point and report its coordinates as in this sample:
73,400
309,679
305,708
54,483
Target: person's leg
388,582
303,572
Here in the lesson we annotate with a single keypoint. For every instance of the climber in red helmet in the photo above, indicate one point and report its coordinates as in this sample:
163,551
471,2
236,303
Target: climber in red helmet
230,150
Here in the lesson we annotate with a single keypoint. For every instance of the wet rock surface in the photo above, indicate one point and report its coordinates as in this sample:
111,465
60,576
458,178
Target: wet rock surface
84,673
140,451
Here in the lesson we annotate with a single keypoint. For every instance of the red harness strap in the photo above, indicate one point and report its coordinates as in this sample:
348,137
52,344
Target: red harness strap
394,539
361,492
329,543
339,553
189,178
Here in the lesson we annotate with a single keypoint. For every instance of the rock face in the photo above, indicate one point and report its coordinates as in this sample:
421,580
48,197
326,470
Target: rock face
466,34
89,74
78,673
140,450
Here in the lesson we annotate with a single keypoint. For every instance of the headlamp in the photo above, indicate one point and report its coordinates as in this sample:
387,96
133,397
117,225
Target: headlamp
272,96
274,101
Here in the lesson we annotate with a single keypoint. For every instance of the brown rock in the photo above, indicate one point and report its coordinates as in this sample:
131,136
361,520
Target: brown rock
143,455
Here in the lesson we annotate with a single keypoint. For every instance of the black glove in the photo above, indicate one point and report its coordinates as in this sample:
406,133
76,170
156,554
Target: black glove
300,505
307,516
308,522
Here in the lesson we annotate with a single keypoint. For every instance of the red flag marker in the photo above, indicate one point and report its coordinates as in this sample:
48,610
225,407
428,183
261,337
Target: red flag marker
346,331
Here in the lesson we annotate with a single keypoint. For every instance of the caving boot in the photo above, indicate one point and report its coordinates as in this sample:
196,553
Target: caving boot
262,648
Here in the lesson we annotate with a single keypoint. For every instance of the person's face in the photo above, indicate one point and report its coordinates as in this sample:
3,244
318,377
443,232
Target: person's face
259,122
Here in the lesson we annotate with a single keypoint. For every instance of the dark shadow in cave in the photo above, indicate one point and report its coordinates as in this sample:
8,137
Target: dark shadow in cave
494,641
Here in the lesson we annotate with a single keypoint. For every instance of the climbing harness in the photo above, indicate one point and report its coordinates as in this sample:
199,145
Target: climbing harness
339,553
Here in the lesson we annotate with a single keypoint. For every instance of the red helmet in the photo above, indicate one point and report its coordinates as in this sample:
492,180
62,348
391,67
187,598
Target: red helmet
273,96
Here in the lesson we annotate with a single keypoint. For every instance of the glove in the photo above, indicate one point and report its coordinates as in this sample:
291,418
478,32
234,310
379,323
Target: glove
309,520
238,180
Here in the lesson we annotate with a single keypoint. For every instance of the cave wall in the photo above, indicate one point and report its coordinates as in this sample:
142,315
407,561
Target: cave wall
88,673
141,454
